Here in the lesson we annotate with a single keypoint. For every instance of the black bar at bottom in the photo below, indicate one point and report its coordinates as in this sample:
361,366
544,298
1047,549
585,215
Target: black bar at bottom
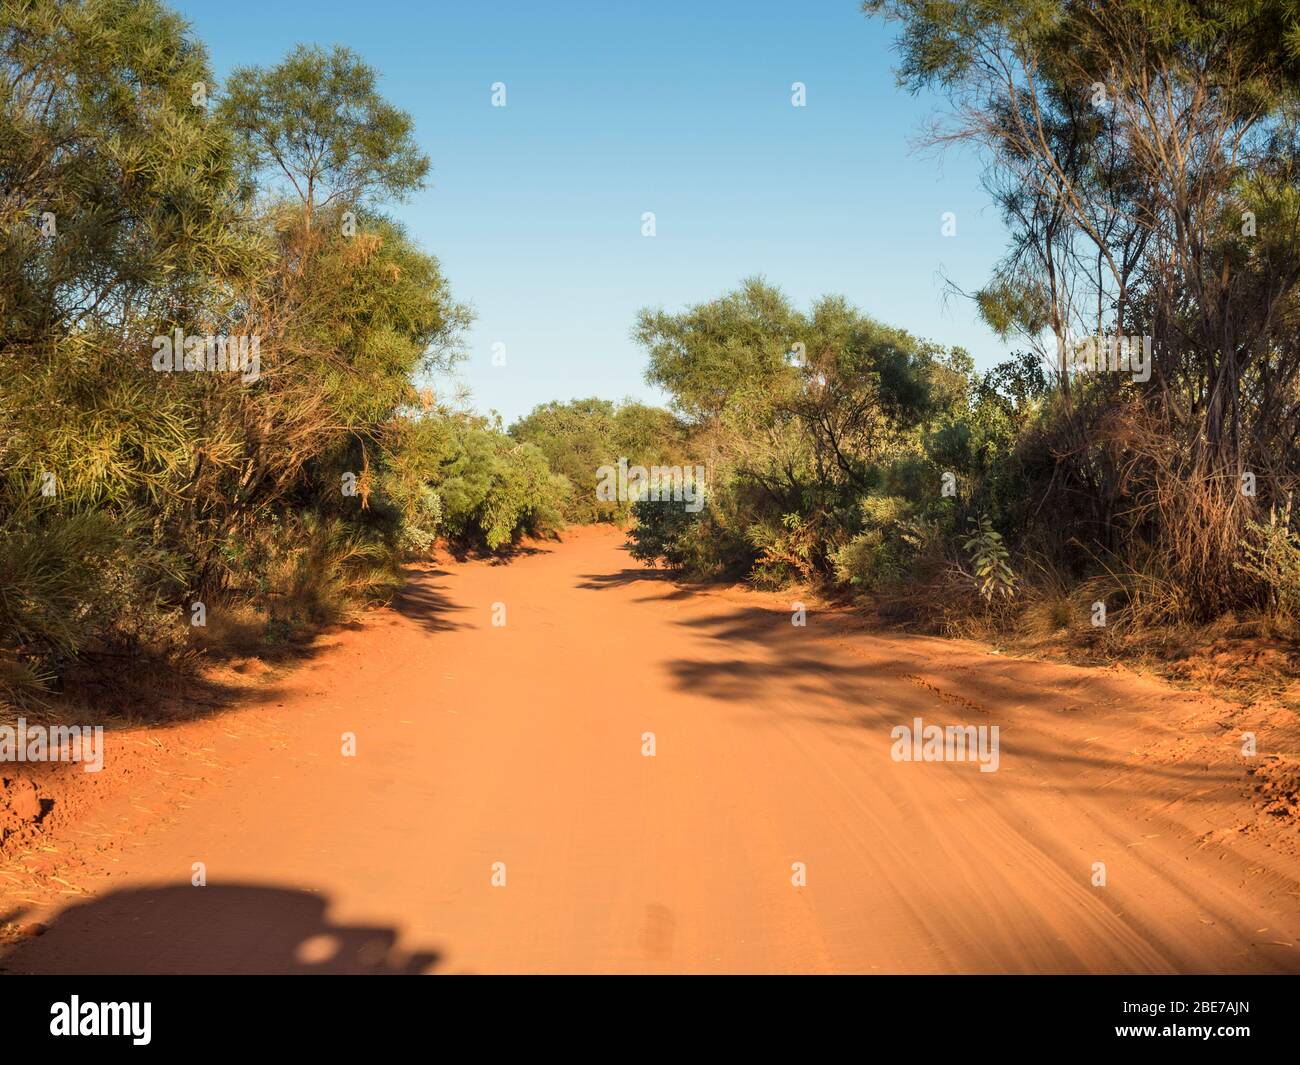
616,1015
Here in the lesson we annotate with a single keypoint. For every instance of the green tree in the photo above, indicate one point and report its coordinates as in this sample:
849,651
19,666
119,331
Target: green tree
119,218
129,210
1146,155
704,354
582,435
796,415
317,121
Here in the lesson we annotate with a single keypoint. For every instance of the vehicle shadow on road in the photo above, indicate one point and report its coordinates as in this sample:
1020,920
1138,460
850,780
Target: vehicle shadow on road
223,929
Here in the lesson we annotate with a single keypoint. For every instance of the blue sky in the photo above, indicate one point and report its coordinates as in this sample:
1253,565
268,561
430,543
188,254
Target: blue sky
680,108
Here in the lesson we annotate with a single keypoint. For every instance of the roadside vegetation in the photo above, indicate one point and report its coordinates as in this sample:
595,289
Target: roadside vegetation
140,506
1144,155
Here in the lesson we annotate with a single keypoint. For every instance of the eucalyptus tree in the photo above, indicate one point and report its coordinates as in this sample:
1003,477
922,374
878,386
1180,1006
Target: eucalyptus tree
317,124
1146,155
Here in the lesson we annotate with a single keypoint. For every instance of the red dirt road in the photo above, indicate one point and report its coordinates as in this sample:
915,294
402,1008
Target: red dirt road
522,744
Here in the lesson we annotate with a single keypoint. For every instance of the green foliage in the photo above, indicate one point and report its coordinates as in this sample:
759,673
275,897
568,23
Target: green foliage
581,436
315,567
1145,155
420,529
99,136
832,409
1272,556
785,550
707,353
675,537
67,579
495,490
318,122
990,560
879,554
129,209
163,214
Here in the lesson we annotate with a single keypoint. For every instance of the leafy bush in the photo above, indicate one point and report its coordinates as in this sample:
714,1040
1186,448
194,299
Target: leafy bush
672,535
127,493
581,436
990,560
1273,558
495,490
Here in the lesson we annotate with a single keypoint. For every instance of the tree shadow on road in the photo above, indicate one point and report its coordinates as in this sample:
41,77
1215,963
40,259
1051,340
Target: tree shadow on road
422,600
224,929
674,587
596,582
771,668
501,556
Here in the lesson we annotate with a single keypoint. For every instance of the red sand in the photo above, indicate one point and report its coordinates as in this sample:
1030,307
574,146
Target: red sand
522,745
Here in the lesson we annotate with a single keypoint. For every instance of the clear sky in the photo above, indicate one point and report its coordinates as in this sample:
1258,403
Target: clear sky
680,107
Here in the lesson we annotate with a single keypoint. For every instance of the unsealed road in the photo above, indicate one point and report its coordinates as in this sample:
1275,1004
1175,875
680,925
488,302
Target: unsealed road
500,814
